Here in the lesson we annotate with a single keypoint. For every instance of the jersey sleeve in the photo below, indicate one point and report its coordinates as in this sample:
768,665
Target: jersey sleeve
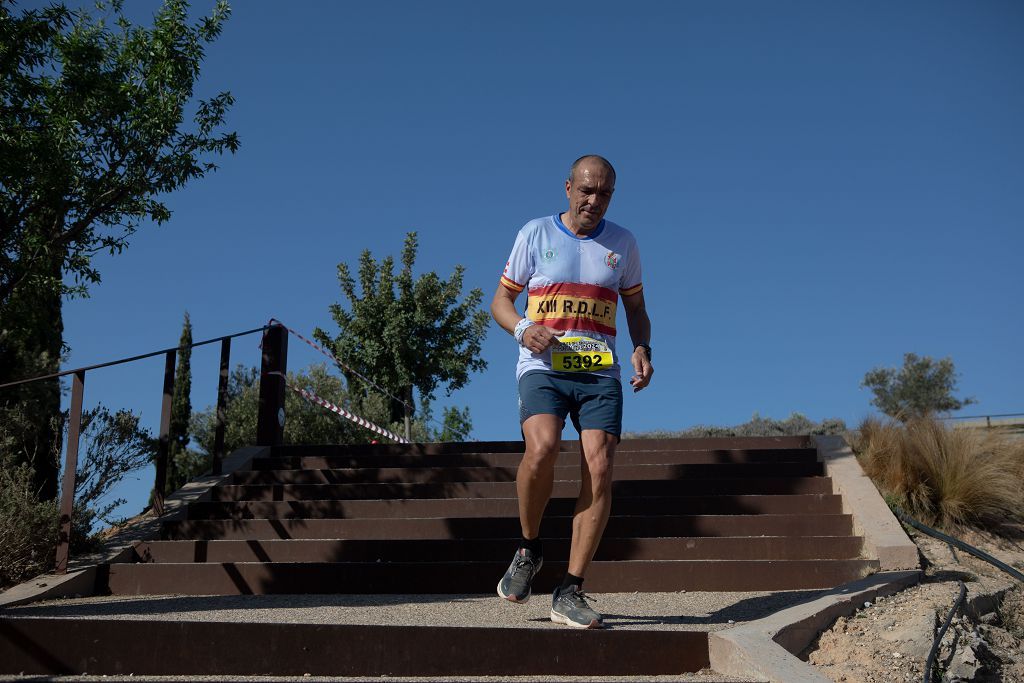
519,267
631,281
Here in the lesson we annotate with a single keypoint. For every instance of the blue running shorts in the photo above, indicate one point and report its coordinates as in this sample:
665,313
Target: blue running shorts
591,401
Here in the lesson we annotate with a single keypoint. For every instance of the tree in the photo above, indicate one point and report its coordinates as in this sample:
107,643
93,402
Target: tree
406,333
178,459
92,137
93,134
922,387
114,445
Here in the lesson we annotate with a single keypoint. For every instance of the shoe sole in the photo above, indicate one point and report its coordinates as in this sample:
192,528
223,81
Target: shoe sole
562,619
512,598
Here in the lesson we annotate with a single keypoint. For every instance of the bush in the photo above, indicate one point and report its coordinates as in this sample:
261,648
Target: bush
921,388
951,477
28,527
794,425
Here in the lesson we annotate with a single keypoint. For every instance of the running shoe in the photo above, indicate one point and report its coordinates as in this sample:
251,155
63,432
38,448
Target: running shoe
515,585
569,606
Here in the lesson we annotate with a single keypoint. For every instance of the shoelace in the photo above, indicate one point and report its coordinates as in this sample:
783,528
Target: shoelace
578,596
521,563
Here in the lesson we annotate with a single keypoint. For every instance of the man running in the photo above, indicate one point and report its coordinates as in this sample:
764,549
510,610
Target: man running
575,266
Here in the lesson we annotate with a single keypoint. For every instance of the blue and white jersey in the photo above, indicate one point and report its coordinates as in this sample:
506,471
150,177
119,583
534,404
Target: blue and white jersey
573,282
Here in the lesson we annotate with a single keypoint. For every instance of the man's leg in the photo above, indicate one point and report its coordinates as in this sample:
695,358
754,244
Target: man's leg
536,474
542,432
595,500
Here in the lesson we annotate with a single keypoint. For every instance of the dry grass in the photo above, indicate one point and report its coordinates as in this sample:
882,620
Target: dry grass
946,476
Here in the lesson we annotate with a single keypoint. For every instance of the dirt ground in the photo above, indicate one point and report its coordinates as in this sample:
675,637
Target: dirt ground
889,640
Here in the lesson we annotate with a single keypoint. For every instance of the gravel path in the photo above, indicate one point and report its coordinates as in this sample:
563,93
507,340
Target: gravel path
634,611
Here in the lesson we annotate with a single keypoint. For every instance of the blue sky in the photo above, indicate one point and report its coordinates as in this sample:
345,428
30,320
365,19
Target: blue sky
817,188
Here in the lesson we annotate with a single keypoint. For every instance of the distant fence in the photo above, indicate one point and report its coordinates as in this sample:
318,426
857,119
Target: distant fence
988,421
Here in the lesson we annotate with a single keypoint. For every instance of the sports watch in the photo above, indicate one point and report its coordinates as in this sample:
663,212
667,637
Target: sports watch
647,348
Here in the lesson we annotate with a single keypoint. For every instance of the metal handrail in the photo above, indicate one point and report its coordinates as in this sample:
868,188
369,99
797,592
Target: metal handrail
271,401
121,361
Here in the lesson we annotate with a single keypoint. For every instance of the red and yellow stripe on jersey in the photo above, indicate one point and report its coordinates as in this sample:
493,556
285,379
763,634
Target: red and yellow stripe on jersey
512,284
572,306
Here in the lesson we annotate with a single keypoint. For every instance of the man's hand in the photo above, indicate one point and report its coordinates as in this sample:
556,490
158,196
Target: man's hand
539,338
643,369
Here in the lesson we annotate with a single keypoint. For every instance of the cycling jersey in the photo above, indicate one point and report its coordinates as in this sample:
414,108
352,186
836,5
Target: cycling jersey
573,283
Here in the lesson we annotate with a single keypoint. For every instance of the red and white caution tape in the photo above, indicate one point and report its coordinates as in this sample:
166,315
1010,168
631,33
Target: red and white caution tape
362,422
335,360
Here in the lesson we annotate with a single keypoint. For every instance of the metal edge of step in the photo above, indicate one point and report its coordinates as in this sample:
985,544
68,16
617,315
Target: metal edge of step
571,446
324,550
373,578
286,649
288,462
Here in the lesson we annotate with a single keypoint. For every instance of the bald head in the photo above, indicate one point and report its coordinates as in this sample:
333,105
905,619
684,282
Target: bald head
587,160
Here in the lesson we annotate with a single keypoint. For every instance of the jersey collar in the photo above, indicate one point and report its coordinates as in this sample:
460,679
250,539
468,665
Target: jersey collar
561,226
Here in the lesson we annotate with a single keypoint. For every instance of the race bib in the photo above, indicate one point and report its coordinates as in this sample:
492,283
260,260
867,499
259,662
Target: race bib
580,354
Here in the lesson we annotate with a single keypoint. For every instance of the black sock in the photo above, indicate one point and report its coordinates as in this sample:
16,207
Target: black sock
571,580
532,544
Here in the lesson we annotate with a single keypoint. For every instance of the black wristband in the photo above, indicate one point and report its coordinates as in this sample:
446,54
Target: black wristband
647,348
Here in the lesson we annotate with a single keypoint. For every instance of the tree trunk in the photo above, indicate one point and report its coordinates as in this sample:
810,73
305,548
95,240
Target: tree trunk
398,408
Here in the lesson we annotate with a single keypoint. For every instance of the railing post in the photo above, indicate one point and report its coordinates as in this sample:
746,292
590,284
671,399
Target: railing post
270,420
408,425
67,497
163,449
222,403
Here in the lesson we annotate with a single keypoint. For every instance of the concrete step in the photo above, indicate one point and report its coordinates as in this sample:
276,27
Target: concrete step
507,489
815,504
483,473
507,527
261,578
500,549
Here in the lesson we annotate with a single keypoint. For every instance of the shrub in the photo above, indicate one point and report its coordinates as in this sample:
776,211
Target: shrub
951,477
794,425
28,527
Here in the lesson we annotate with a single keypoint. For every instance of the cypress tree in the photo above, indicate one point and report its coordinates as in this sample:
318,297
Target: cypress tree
178,469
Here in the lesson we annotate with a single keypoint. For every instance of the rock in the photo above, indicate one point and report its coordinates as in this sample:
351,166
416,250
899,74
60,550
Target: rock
964,666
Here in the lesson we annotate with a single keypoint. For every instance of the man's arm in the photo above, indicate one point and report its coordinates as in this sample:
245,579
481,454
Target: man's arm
537,338
640,333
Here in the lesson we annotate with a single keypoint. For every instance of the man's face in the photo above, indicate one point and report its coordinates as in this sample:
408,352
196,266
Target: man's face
589,192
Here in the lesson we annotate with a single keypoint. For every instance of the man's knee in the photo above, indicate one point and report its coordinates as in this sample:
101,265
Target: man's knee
599,454
543,435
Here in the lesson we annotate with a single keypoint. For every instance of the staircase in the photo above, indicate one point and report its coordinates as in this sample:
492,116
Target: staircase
688,515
